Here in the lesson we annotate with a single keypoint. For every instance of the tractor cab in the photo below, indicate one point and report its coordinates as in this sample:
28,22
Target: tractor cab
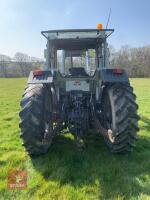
77,52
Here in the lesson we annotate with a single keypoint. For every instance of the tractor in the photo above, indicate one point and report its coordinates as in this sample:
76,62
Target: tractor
77,90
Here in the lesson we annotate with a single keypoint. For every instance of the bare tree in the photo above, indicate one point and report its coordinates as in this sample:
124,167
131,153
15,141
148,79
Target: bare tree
23,61
136,61
3,64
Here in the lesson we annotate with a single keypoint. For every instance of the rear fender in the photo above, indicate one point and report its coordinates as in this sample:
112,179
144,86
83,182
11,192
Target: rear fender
108,77
41,77
112,75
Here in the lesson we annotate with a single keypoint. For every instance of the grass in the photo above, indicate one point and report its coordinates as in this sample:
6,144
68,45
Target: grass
66,173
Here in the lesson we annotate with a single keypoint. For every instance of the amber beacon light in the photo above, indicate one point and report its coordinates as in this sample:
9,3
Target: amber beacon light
99,26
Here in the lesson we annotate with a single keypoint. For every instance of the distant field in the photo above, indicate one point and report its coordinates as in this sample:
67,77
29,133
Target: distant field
66,173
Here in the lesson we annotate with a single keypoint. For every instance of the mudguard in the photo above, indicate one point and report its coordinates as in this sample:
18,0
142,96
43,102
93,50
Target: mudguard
113,75
40,76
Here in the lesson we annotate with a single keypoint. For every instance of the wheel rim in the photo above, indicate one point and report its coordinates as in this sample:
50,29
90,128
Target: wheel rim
108,117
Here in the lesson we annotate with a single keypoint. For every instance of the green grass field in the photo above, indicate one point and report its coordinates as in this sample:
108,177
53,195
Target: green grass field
66,173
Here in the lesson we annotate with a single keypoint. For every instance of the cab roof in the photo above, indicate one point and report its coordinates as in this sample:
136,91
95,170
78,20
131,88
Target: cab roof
76,38
77,33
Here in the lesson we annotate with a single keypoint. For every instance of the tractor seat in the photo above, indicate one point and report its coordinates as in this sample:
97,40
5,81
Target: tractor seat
77,71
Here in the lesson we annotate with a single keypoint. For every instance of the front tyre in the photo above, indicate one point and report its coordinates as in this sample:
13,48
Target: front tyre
120,117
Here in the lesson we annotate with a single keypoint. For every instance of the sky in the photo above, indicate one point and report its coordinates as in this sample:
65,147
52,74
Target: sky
23,20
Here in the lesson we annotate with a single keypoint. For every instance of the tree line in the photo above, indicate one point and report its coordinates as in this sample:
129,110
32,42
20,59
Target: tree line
18,66
136,61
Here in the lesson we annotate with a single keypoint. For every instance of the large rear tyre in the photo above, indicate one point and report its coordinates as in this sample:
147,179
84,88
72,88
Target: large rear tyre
120,116
36,129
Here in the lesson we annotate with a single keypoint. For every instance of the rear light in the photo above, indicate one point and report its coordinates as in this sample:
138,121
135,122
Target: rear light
37,73
118,71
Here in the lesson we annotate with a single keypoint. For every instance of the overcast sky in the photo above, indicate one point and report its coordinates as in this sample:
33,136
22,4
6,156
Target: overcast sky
23,20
